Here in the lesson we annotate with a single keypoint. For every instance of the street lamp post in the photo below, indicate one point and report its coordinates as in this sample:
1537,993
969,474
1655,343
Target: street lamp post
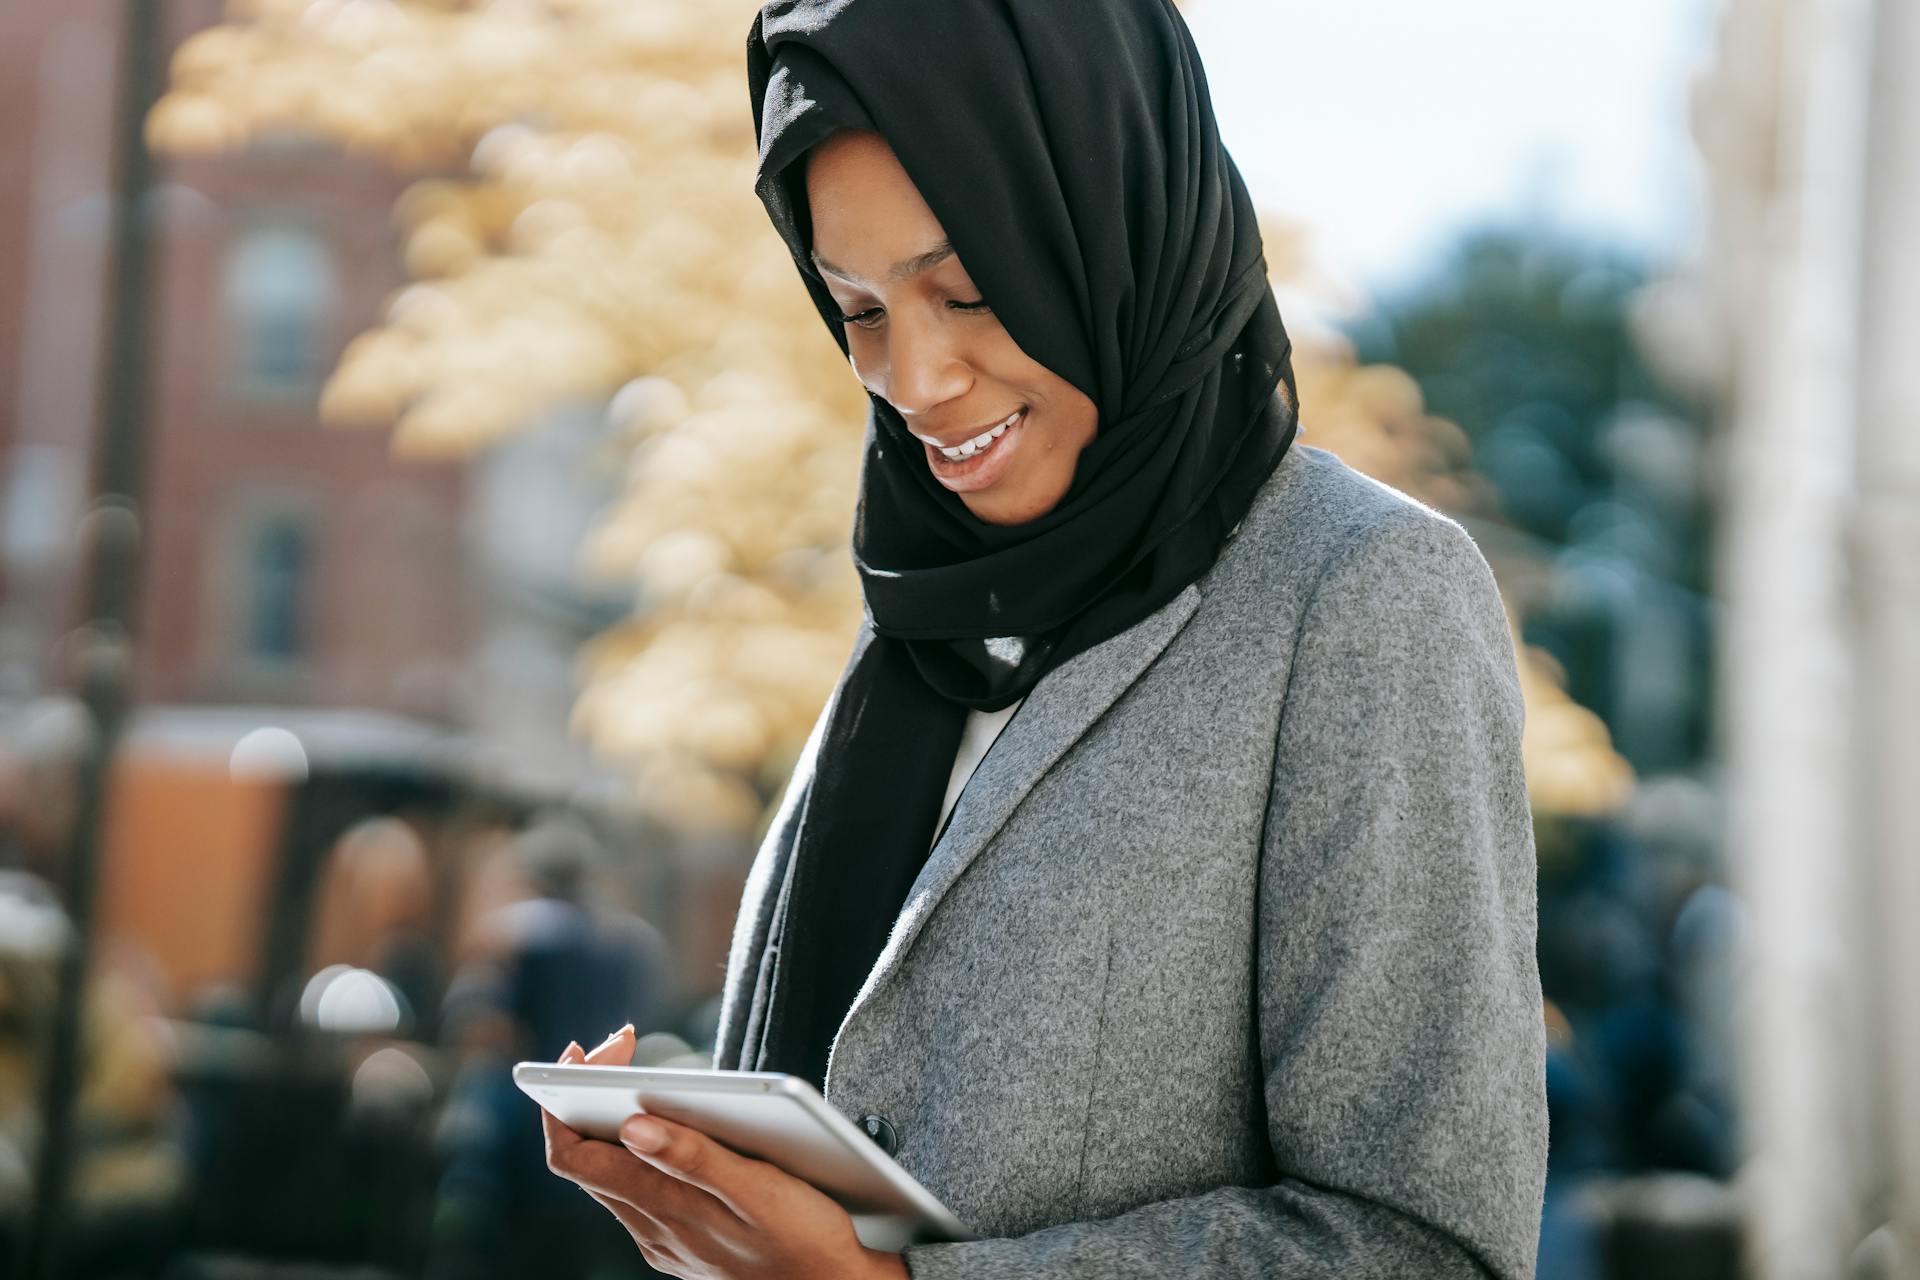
101,650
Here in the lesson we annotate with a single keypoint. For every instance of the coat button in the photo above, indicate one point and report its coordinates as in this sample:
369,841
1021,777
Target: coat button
880,1129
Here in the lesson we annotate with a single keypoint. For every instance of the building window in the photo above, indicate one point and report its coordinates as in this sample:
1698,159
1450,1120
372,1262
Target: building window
277,561
279,289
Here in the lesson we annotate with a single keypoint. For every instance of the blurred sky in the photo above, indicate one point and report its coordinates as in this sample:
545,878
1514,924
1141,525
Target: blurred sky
1388,124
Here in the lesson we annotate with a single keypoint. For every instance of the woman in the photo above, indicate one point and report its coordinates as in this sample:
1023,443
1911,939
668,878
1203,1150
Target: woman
1222,958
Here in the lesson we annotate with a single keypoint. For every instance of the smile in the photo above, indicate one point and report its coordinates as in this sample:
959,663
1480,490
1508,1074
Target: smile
980,443
979,462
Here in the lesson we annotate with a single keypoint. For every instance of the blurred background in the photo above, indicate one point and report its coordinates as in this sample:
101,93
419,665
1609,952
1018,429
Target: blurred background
424,502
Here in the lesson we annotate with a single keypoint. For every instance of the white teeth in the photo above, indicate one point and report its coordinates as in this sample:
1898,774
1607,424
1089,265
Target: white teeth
979,442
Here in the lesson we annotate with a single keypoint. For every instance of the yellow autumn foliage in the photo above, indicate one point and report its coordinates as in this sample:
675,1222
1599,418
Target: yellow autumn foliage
585,227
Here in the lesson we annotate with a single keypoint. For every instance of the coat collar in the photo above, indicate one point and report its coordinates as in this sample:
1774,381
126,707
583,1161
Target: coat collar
1062,706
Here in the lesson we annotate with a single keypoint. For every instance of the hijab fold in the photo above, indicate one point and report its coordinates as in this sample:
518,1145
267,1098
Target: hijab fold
1070,152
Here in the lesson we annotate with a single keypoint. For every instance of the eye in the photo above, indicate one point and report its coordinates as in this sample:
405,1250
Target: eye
870,317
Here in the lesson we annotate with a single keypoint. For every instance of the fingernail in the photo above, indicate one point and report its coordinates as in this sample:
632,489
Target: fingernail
642,1136
615,1036
573,1047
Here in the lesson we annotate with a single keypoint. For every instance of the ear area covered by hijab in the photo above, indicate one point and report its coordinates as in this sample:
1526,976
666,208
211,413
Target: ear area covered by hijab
1070,151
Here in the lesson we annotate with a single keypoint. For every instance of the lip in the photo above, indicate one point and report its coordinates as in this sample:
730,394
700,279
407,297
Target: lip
965,436
982,469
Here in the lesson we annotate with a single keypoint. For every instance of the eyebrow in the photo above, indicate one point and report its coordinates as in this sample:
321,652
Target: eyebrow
901,270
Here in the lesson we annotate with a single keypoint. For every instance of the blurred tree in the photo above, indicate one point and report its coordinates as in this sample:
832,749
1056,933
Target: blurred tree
586,230
1530,342
1518,333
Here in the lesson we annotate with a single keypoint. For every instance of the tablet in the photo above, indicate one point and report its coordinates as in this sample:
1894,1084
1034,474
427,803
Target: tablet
769,1115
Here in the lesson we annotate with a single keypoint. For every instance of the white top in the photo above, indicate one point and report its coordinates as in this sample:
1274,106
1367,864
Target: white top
983,728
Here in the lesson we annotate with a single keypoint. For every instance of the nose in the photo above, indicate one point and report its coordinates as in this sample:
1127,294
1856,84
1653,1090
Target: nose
924,367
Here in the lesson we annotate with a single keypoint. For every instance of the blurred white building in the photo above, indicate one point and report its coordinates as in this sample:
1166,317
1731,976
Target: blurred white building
1803,319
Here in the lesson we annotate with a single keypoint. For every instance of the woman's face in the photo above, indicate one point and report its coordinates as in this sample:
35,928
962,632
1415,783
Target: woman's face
920,337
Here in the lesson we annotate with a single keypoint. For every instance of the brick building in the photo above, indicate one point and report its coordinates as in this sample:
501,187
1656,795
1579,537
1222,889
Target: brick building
283,562
294,577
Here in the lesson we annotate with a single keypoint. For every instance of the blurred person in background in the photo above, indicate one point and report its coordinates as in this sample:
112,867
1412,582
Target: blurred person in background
564,955
1636,944
1222,957
376,912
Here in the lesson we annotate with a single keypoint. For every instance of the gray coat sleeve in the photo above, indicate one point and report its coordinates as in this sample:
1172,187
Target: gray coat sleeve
1399,1013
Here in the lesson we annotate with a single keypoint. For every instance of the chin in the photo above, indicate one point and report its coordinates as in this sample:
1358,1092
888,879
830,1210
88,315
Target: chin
1008,508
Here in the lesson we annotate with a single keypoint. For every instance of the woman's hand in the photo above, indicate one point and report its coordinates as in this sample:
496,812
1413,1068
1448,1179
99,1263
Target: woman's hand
701,1211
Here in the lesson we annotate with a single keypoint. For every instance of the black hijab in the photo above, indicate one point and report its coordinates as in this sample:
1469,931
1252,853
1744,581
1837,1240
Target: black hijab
1069,150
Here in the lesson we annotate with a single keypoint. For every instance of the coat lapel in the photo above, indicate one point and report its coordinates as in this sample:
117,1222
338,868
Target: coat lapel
1065,703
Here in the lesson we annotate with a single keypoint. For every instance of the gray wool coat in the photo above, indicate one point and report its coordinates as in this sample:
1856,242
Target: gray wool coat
1224,965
